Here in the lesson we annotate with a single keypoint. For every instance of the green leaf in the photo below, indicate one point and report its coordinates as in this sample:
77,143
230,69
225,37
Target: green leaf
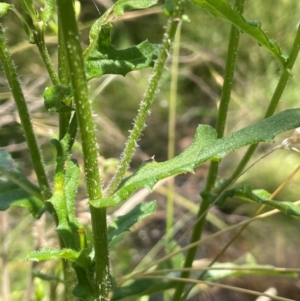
58,98
4,7
67,223
205,147
16,189
84,289
9,170
72,174
78,257
222,9
51,253
12,195
122,6
124,222
261,196
118,10
105,59
47,11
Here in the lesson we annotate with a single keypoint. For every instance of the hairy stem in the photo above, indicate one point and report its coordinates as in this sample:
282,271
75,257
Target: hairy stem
89,143
145,105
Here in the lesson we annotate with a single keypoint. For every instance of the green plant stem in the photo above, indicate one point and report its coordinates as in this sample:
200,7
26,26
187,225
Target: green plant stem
40,42
63,74
172,129
19,98
213,170
89,143
147,101
285,75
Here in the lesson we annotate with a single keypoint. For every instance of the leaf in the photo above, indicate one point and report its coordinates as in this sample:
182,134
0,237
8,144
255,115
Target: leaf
78,257
84,289
16,189
118,10
126,5
12,195
261,196
47,11
222,9
205,147
58,98
72,174
122,223
105,59
63,198
9,170
4,7
51,253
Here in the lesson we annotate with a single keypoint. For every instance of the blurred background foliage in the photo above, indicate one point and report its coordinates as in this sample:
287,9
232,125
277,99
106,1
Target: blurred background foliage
115,102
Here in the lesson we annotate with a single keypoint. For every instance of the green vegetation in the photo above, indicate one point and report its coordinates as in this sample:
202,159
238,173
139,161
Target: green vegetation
210,84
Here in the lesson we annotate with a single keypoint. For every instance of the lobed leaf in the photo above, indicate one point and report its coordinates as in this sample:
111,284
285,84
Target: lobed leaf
105,59
222,9
205,147
118,10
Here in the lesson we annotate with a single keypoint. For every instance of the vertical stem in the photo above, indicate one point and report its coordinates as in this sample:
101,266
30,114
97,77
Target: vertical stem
213,170
172,128
171,141
63,74
12,78
89,143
